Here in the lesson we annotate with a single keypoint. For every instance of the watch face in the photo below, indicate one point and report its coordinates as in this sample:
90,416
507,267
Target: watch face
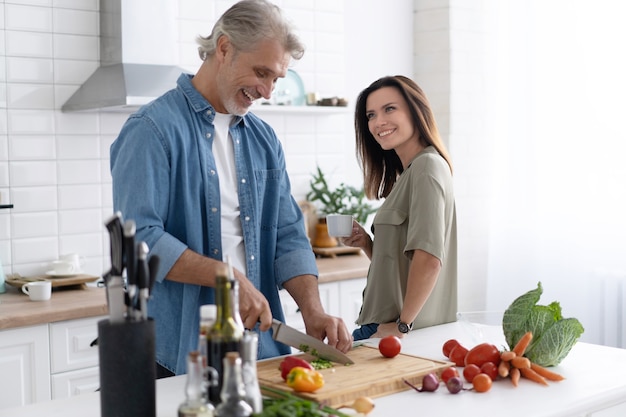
403,327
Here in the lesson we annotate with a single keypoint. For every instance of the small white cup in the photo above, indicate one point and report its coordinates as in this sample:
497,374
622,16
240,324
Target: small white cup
63,268
339,225
75,259
38,290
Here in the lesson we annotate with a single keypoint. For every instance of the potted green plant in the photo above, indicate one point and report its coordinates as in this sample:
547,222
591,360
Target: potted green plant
344,199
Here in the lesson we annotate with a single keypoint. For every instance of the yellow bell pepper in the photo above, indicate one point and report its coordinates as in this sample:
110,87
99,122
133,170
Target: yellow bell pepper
304,380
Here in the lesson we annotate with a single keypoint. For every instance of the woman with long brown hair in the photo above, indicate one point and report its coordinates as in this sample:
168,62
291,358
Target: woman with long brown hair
412,280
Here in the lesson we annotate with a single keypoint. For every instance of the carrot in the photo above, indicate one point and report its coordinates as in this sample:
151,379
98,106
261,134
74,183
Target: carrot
533,376
523,343
515,374
520,362
507,355
546,373
504,368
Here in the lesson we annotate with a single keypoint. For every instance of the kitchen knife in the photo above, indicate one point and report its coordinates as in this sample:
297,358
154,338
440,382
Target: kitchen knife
113,279
294,338
114,225
143,278
130,261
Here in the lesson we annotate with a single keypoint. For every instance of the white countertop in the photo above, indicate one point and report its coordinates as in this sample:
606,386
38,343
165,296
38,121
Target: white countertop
595,380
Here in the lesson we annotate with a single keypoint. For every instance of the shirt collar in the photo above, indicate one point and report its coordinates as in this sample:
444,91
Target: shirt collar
198,103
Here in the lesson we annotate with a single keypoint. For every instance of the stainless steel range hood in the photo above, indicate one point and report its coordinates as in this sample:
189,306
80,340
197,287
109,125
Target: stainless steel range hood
138,44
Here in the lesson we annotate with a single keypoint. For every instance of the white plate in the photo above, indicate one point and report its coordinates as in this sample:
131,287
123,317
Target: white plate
289,90
55,275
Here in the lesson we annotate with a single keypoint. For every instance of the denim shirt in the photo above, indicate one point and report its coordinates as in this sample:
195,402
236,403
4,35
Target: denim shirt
165,179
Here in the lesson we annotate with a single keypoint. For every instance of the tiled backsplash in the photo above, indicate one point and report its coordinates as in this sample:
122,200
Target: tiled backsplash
54,166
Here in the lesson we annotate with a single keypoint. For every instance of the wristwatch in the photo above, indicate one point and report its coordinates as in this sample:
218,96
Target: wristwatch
404,327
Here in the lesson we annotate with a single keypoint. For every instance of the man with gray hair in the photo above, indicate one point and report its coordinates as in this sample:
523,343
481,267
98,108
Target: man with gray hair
205,181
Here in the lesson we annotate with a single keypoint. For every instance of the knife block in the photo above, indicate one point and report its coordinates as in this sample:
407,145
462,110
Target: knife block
127,368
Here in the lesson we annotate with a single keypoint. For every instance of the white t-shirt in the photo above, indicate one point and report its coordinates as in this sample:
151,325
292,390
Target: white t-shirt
232,233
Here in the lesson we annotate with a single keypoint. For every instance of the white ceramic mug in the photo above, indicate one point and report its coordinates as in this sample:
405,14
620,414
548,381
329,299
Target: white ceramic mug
339,225
75,259
63,268
38,290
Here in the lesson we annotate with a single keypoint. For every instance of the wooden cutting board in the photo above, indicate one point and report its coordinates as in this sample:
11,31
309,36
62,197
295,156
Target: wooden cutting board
371,375
80,280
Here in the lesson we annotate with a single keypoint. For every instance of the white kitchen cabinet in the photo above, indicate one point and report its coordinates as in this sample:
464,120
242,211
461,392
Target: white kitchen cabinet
24,366
48,361
74,361
351,298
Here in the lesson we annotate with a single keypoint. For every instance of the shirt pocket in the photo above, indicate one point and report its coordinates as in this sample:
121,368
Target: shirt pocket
390,217
268,188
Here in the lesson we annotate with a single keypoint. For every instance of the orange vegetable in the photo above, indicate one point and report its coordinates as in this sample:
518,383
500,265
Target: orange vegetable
304,380
507,355
504,369
533,376
520,362
515,374
546,373
522,344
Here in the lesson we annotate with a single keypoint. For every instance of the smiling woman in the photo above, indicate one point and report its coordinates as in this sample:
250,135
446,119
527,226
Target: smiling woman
559,177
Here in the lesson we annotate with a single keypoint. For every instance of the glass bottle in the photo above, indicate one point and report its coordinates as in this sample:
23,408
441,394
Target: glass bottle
227,331
195,404
207,319
253,395
233,392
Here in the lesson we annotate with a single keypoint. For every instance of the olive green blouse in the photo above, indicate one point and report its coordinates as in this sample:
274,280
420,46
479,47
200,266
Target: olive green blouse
419,213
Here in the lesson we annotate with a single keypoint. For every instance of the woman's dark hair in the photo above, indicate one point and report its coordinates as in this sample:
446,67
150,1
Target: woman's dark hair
381,168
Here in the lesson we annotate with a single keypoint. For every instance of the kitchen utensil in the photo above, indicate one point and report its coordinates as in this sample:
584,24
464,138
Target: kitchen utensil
114,226
294,338
16,280
131,265
113,279
371,375
143,278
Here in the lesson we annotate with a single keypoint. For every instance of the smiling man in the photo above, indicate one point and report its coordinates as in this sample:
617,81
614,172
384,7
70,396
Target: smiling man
205,180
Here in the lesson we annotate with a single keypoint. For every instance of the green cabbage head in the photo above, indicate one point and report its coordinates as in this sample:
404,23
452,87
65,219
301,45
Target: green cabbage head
553,336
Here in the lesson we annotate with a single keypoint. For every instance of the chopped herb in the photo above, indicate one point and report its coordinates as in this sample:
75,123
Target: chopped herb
320,363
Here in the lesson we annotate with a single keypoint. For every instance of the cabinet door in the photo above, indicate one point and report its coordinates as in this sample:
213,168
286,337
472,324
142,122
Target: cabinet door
67,384
24,366
351,298
70,344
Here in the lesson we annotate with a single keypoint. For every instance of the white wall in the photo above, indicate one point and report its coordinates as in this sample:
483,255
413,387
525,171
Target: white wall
54,166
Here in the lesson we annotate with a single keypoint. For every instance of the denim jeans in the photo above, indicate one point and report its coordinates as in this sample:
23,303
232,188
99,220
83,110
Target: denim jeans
365,332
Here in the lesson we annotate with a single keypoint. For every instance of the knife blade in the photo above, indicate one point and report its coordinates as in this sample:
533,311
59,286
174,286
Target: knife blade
294,338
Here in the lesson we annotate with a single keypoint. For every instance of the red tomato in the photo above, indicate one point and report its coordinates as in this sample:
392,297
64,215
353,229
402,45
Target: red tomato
470,371
482,353
449,373
481,383
448,346
457,355
490,369
389,346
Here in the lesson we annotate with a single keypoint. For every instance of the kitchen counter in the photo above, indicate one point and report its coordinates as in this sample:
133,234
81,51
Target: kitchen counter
16,310
594,386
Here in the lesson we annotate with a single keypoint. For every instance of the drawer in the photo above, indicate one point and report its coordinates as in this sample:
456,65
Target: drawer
68,384
70,344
